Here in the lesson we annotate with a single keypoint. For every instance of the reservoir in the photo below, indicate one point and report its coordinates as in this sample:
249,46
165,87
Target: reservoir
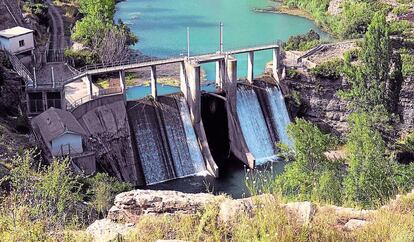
161,26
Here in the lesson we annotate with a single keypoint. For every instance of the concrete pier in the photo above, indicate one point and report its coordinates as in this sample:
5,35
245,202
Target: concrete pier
88,83
276,60
220,74
154,82
250,66
194,94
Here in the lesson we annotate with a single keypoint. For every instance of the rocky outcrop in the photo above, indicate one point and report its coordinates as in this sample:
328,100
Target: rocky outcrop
406,104
130,207
316,100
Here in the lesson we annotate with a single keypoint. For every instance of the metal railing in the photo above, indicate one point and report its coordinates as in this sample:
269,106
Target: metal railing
143,59
19,67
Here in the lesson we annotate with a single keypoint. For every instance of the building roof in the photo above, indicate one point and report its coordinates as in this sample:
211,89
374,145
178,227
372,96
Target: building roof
14,32
55,122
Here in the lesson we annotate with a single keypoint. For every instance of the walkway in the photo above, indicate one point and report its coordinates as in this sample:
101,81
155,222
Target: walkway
58,31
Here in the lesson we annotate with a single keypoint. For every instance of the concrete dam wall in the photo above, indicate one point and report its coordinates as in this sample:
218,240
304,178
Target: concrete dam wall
164,139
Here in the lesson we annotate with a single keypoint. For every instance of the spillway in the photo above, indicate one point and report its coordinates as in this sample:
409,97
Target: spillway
280,116
166,143
253,125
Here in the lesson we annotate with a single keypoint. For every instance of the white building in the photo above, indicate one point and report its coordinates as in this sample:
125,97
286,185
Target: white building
17,40
60,131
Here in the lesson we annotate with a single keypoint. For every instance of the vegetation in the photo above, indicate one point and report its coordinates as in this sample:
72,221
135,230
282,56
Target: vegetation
311,176
331,69
46,202
38,9
368,81
303,42
351,22
270,222
109,41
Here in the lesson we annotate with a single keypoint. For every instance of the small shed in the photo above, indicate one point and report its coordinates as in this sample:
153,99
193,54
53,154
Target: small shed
60,131
17,40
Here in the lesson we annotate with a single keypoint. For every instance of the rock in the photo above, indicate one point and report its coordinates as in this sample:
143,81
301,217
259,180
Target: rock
106,230
231,209
354,224
301,212
129,206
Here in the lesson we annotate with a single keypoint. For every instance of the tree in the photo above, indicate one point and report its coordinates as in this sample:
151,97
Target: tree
112,46
370,174
369,80
311,175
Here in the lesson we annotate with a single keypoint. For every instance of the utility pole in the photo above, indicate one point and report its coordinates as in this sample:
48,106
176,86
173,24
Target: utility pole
221,38
188,42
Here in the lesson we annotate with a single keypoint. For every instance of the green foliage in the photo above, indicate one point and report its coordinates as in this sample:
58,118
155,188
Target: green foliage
369,180
407,63
311,175
401,10
81,57
302,42
330,69
293,74
41,200
368,81
40,10
354,18
102,191
400,27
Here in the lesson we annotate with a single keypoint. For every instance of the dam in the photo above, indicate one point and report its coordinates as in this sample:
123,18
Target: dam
159,138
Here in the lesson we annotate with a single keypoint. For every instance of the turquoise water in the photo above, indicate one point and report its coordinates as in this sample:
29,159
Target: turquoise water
161,26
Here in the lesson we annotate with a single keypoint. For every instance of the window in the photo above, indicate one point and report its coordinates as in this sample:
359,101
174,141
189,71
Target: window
21,43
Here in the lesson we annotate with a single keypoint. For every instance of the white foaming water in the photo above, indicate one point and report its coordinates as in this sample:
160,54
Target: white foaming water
280,115
150,152
254,126
192,141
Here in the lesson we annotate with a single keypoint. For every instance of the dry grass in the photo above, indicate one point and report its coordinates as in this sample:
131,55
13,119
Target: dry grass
269,222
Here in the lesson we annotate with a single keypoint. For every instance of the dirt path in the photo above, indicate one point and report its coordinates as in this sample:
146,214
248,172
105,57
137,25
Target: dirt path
58,31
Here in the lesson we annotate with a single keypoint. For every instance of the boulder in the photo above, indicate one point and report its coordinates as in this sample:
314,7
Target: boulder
354,224
106,230
301,212
129,206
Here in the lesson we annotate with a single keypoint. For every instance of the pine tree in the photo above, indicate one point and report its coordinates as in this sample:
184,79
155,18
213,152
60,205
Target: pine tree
369,80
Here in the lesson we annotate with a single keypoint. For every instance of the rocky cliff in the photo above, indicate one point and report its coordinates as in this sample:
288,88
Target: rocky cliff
316,100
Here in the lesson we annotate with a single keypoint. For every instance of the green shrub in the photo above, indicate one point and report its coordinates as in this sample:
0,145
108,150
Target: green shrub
102,190
401,10
331,69
303,42
293,74
81,58
400,27
407,63
311,176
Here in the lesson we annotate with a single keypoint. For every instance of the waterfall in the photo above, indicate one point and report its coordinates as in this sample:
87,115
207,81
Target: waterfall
280,115
166,143
254,126
184,148
192,141
150,146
